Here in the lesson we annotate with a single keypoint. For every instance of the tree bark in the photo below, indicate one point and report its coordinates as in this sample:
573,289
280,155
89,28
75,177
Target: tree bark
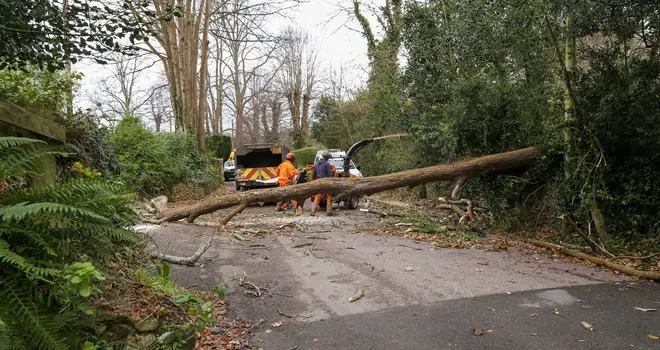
653,275
346,187
190,261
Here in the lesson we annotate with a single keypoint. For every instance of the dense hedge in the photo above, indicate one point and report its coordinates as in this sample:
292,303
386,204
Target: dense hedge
153,163
305,156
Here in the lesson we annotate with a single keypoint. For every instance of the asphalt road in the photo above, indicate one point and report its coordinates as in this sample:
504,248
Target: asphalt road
415,296
545,319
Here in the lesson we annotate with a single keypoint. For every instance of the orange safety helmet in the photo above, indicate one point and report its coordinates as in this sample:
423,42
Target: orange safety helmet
290,156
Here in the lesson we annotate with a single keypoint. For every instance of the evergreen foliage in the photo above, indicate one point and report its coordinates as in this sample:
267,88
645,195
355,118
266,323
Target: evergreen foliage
305,156
482,77
46,33
218,146
45,234
153,163
87,142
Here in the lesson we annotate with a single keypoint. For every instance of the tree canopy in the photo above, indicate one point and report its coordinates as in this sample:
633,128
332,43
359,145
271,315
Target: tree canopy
49,33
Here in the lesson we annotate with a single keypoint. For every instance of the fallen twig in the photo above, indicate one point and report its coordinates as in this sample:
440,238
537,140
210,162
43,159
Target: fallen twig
316,237
653,275
374,211
303,245
283,314
257,324
359,294
287,225
239,237
403,245
190,261
255,292
536,268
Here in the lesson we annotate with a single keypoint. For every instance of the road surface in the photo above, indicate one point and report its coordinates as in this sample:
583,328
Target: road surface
414,295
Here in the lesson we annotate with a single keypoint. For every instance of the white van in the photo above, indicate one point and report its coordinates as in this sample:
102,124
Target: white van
337,160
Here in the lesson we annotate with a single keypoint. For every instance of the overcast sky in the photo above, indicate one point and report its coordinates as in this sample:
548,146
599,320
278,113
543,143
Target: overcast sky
333,32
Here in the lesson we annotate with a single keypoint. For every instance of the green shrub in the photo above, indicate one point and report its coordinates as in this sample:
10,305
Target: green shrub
36,88
186,162
52,241
153,163
87,142
305,156
218,146
144,163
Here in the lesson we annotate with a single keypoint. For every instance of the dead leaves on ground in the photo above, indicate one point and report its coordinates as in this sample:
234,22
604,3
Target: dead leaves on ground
479,331
236,336
588,326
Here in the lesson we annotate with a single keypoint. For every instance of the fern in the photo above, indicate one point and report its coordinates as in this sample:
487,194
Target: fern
20,211
44,230
11,142
112,199
21,263
19,312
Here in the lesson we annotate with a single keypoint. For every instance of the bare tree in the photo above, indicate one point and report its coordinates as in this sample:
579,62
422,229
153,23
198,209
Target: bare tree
298,78
182,34
271,118
265,110
120,94
216,84
249,50
159,107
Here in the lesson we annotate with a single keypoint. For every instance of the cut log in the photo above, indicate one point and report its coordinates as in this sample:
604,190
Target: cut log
347,187
652,275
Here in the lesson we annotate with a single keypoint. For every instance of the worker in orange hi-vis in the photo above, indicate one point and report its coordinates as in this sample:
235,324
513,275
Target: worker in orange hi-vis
286,171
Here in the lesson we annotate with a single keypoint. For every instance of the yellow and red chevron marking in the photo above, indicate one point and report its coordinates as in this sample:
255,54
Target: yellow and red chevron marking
251,173
268,173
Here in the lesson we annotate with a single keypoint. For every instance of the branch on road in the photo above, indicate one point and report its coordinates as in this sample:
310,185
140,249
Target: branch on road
190,261
347,187
652,275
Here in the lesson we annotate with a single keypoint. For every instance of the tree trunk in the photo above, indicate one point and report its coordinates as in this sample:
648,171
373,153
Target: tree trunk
345,187
569,102
304,118
201,106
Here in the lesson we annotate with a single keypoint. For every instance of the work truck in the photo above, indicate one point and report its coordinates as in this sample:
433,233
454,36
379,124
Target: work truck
256,165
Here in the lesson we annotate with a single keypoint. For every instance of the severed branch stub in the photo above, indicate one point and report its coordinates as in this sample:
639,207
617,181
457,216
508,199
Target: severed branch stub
457,187
233,213
346,187
453,205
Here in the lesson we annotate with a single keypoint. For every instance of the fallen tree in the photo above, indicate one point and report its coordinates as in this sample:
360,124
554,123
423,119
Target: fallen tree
459,171
653,275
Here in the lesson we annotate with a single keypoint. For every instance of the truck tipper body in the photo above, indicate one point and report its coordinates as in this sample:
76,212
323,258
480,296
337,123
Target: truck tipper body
256,165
